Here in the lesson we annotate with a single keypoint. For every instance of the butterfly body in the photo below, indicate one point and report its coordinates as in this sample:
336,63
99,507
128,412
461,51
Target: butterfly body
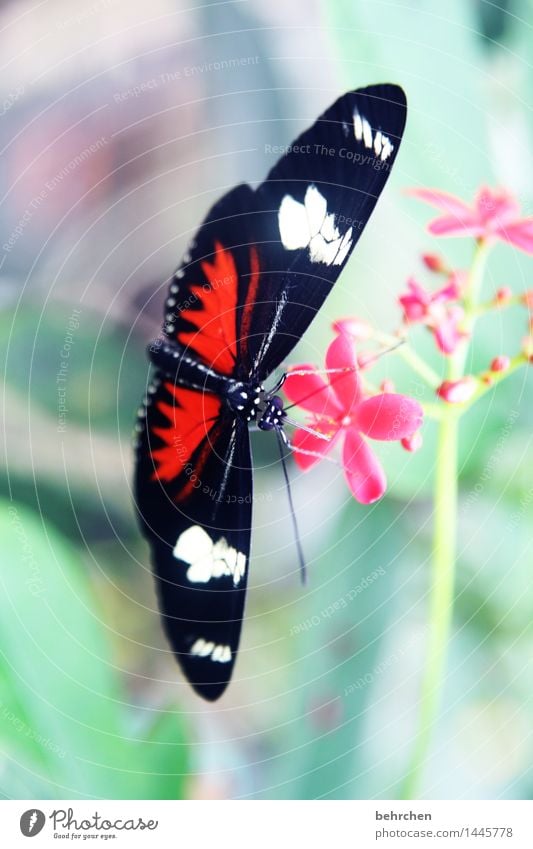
254,277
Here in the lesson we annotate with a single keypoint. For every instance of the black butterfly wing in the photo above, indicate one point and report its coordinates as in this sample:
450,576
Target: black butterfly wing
263,262
193,489
310,213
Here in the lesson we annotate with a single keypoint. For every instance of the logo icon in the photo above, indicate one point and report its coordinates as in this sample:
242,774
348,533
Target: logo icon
32,822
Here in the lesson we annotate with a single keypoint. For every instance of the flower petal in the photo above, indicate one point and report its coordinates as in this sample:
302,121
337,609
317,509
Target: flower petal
389,416
347,387
454,225
450,292
357,328
442,200
519,234
363,470
311,392
416,302
495,207
447,331
304,441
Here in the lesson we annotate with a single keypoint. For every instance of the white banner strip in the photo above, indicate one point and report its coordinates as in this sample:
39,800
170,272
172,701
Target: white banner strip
268,824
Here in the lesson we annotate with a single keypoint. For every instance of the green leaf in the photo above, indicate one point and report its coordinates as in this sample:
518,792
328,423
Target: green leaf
63,718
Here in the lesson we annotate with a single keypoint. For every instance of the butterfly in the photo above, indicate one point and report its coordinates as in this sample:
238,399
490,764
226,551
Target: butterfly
253,278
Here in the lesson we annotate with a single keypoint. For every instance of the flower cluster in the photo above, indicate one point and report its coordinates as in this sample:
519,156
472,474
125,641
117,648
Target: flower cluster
438,310
346,408
494,215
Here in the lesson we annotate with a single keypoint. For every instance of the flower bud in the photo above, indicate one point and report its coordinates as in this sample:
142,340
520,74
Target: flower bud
503,296
527,347
527,299
412,443
500,363
434,262
457,391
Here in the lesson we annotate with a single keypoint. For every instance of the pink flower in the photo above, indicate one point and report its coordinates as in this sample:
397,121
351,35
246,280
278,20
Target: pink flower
433,310
339,409
493,215
457,391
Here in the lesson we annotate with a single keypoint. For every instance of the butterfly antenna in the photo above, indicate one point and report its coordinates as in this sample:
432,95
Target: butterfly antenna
310,430
334,380
303,569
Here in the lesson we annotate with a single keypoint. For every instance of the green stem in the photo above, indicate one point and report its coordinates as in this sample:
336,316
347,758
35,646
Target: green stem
417,364
457,363
441,598
444,545
411,357
494,379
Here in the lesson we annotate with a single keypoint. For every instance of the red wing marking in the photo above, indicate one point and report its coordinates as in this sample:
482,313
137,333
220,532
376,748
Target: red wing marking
190,423
193,482
214,340
251,297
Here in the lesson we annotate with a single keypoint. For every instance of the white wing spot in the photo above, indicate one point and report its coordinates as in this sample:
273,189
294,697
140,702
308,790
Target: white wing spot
382,145
357,126
208,559
216,652
308,225
367,133
387,148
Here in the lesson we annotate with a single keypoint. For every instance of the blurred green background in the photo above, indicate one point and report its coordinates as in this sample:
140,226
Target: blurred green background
120,123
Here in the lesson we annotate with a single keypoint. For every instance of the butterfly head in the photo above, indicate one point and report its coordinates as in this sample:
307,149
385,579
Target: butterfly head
272,415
